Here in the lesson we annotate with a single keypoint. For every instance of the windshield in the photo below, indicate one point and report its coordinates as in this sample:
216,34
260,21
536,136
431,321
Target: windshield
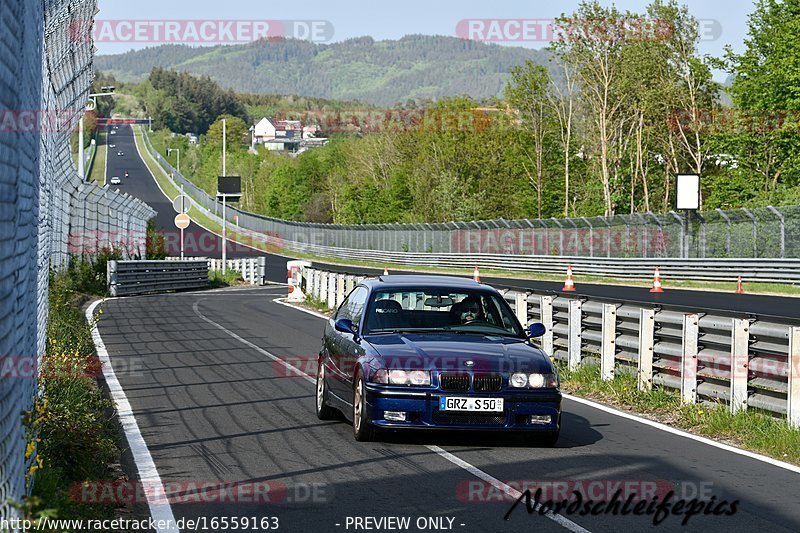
437,310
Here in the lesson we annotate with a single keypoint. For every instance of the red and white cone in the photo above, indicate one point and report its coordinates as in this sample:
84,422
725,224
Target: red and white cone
739,287
569,283
657,287
385,271
476,274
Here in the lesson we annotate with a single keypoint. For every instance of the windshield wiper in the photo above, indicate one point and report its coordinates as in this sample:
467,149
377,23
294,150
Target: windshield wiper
398,331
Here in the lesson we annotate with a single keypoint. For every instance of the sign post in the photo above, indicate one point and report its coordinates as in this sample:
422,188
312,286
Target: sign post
228,188
181,205
182,222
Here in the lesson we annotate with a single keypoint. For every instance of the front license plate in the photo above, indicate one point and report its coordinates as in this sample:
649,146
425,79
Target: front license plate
483,405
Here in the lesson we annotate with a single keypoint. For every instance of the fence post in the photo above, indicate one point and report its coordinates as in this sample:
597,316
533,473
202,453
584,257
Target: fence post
323,286
339,289
521,301
349,284
331,290
691,338
647,328
546,317
112,278
608,346
740,346
574,350
793,389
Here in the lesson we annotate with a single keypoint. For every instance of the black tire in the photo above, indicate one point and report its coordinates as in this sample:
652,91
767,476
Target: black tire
324,411
363,431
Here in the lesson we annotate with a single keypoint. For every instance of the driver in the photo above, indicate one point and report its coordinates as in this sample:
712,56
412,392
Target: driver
468,310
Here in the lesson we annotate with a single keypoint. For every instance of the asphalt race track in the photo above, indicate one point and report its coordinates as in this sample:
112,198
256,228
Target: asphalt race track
215,408
201,243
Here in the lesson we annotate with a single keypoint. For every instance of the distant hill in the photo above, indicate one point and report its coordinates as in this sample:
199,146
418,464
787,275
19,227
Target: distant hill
376,72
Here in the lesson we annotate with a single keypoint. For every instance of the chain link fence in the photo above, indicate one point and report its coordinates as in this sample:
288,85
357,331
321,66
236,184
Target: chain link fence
47,213
766,233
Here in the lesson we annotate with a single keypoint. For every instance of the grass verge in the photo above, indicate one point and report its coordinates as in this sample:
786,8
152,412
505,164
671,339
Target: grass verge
72,438
98,173
219,280
751,430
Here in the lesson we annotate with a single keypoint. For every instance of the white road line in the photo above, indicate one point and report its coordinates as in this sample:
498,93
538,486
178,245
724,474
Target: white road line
161,512
511,491
474,470
681,433
657,425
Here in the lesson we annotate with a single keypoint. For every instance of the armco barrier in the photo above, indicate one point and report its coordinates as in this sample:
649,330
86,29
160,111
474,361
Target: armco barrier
252,269
128,278
743,362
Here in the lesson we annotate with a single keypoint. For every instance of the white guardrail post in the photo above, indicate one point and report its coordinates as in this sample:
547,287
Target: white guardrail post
647,329
793,384
740,363
575,342
339,289
546,318
608,345
350,285
521,308
323,287
691,338
332,291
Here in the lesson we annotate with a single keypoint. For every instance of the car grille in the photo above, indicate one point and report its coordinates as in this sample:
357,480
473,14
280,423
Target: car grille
468,419
487,383
454,382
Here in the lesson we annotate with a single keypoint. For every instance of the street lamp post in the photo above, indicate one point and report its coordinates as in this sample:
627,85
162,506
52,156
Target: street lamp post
170,150
90,106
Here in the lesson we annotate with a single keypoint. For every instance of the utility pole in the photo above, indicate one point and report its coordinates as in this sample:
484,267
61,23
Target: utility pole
224,203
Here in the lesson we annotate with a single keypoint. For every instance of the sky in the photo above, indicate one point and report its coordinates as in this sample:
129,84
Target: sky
725,20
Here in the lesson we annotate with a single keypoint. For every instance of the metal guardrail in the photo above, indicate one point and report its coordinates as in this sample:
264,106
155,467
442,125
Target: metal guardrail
744,363
252,269
128,278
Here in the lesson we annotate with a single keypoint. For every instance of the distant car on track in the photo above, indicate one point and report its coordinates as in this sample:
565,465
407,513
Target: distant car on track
120,153
435,352
115,180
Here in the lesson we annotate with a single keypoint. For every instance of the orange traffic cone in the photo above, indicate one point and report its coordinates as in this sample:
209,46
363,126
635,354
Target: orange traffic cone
657,282
385,271
476,274
739,288
569,283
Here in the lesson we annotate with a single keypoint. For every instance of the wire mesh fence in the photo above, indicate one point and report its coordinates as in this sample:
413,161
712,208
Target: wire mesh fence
769,232
48,213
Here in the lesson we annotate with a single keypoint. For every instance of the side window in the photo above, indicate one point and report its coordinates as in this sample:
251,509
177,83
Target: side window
356,303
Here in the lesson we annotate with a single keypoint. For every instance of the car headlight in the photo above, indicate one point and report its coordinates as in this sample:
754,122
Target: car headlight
519,381
412,377
533,381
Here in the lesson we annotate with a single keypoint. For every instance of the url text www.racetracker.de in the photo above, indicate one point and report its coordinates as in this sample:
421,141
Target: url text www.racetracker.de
203,523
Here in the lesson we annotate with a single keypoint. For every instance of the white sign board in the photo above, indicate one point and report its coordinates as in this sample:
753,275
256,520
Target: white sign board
688,196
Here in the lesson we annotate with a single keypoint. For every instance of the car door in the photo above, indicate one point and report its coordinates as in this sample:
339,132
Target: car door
348,347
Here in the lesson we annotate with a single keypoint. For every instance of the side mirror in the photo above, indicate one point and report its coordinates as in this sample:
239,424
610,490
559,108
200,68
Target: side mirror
345,325
536,330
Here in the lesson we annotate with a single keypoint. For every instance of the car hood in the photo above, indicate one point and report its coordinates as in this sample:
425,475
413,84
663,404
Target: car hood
451,352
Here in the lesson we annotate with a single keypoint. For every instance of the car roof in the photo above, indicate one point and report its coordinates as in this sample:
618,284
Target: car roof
428,281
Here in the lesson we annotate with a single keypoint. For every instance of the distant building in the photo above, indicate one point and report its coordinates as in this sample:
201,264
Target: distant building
285,135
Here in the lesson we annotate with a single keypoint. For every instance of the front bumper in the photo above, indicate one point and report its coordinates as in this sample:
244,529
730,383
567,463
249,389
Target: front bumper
422,409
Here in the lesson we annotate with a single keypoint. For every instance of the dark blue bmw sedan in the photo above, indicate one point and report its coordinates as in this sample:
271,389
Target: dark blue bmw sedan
435,352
